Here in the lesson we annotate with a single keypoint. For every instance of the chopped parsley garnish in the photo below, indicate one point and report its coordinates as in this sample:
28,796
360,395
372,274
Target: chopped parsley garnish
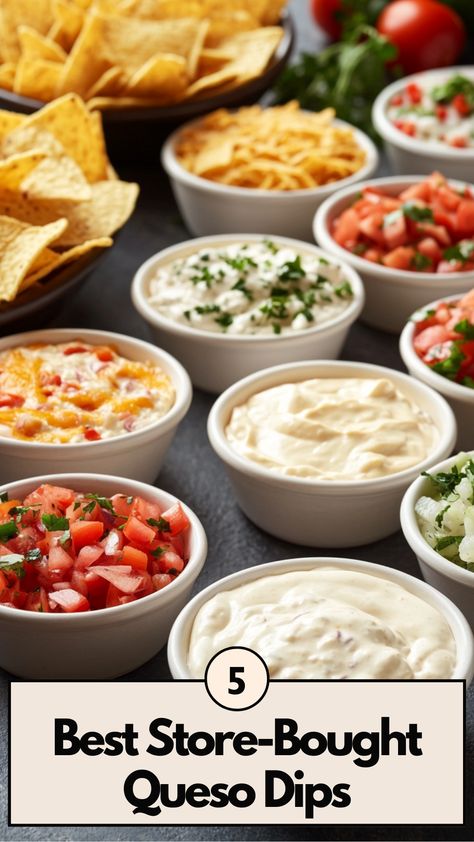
225,320
446,481
158,552
439,517
359,248
411,211
455,85
462,252
270,246
465,328
276,327
240,285
160,524
4,497
8,530
291,270
242,264
344,290
446,541
420,261
103,502
205,277
54,523
13,563
450,366
468,381
204,309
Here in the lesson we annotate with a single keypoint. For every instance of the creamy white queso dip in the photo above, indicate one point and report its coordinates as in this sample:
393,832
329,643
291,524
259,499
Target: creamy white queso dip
332,429
250,288
326,623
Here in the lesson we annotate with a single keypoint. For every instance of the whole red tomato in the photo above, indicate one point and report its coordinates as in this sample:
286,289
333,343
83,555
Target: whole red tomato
427,33
325,12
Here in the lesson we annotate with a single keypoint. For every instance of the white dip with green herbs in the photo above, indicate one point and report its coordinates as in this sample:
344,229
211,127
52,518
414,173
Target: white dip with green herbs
446,515
250,288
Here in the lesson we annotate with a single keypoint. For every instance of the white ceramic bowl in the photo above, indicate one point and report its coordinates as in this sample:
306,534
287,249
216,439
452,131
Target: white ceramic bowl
452,580
108,642
391,295
322,513
409,154
137,455
216,360
208,207
460,398
178,643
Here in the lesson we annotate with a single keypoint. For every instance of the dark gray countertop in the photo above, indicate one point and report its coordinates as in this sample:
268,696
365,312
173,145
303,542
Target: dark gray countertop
193,473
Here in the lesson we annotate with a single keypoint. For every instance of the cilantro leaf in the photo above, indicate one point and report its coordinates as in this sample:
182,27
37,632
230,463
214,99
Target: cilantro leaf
13,563
455,85
420,261
103,502
160,524
8,530
450,366
53,523
4,497
292,270
461,252
466,328
446,541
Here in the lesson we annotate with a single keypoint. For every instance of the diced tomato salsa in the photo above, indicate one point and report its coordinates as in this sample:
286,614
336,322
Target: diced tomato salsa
429,227
444,339
62,551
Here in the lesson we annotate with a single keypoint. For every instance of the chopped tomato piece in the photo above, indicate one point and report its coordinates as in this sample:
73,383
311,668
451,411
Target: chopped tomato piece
465,217
138,532
86,532
399,258
434,335
59,559
92,435
176,518
135,558
11,400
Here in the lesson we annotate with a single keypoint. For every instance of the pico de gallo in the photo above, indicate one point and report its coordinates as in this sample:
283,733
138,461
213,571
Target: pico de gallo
428,227
63,551
442,113
444,339
74,392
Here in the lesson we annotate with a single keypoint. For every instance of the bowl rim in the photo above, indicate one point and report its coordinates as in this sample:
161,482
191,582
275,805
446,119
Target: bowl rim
231,397
164,596
392,135
179,635
406,277
447,387
413,534
177,373
155,318
176,171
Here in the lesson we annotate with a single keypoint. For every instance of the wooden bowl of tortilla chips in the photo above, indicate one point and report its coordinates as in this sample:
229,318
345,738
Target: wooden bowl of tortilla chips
60,203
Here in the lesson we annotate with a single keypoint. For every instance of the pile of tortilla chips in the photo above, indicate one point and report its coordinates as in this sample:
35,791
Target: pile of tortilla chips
59,197
132,53
279,148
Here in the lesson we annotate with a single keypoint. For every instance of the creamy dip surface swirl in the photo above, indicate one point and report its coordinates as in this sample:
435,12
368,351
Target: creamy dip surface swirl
332,429
328,623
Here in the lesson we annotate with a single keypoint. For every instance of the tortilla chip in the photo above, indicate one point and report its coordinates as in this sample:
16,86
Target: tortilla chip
163,76
37,78
57,178
34,13
9,121
108,41
109,208
52,260
118,103
111,83
80,135
33,45
20,246
7,75
250,52
15,169
68,22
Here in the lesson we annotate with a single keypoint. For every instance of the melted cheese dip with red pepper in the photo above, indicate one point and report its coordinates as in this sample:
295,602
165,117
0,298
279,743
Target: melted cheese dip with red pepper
327,623
73,392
